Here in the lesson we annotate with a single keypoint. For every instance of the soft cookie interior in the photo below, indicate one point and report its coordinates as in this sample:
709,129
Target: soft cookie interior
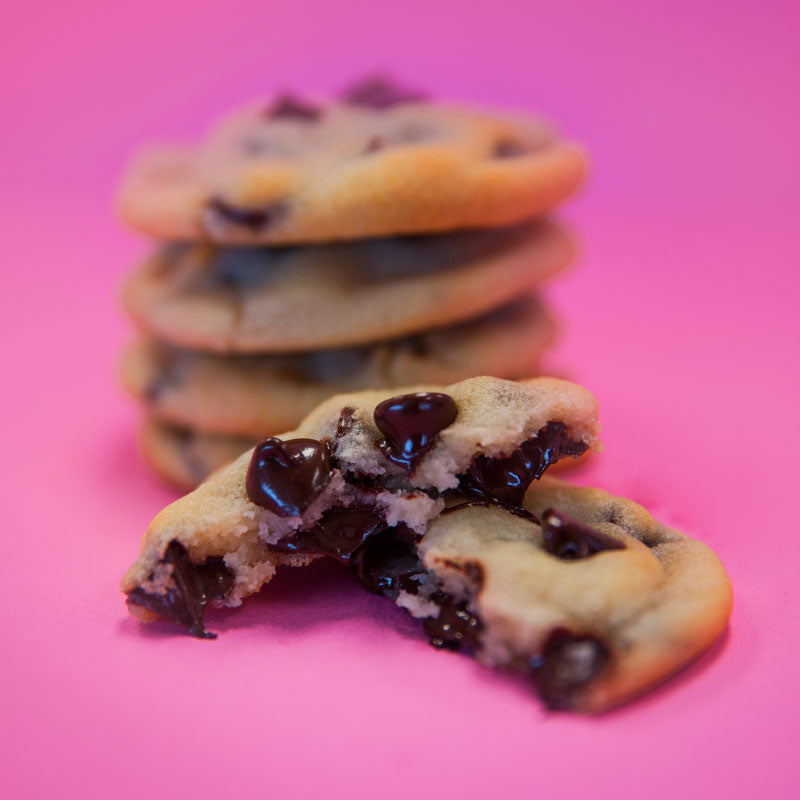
359,464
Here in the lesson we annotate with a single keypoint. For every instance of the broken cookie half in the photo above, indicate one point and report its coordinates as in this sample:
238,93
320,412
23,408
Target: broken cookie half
583,592
359,464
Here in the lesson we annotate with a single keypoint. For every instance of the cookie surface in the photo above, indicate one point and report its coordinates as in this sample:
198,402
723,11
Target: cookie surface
263,395
588,595
358,463
258,300
380,162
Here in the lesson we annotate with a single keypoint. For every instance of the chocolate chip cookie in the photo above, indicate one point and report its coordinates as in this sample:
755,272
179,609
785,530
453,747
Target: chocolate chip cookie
259,395
378,161
583,592
357,465
258,300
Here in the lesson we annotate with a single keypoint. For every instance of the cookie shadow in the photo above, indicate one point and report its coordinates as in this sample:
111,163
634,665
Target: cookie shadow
297,600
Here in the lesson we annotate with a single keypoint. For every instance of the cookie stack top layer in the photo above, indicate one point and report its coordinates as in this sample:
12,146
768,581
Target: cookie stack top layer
380,161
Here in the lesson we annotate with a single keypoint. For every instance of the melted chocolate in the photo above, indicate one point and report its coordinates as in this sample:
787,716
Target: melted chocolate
410,422
388,562
566,665
569,539
289,107
455,628
195,585
505,480
254,219
286,477
338,533
379,92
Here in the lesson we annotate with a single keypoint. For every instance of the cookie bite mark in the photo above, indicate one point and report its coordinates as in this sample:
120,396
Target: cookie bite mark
220,217
505,480
339,532
182,589
285,477
287,106
566,666
379,92
569,540
410,422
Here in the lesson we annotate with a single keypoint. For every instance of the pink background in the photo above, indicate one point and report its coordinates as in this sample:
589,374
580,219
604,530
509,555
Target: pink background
682,319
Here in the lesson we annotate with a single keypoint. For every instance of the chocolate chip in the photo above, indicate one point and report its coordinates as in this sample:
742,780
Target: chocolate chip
387,562
289,107
410,423
286,477
455,628
195,586
567,664
505,480
338,533
379,92
570,539
254,219
509,148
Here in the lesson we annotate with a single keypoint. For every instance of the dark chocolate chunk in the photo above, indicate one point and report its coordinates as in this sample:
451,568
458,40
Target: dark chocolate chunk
379,92
338,533
505,480
195,585
455,628
290,107
509,148
410,422
569,539
286,477
254,219
567,664
388,562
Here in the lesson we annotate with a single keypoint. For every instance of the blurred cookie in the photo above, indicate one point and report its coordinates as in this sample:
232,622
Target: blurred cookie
380,161
185,457
261,395
257,300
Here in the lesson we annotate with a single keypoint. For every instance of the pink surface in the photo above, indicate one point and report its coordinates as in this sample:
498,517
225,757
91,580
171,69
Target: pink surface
682,319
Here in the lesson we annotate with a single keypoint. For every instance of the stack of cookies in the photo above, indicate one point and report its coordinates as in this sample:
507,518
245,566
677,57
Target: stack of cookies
309,249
